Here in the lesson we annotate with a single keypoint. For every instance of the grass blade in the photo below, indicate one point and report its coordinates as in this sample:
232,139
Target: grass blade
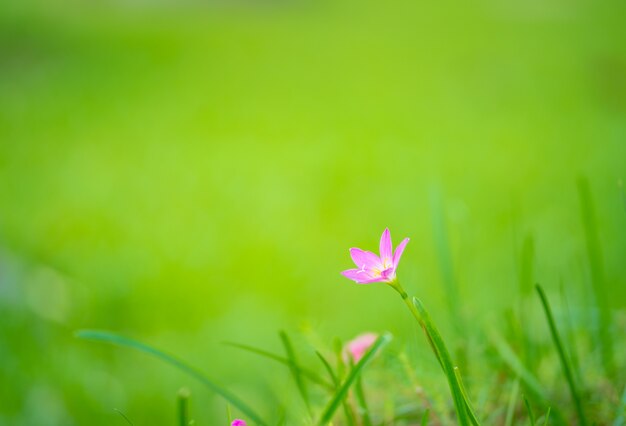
115,339
470,409
362,402
313,377
183,407
346,408
123,416
515,364
563,358
545,420
510,409
342,391
594,254
531,417
295,370
443,355
424,421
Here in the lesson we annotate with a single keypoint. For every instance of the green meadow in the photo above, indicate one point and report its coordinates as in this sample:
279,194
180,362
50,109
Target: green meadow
191,175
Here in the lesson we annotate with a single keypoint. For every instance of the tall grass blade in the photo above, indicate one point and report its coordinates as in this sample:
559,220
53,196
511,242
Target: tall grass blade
461,406
594,254
313,377
515,364
115,339
510,408
547,417
470,408
183,407
362,402
295,370
342,391
531,416
123,416
563,358
328,367
346,408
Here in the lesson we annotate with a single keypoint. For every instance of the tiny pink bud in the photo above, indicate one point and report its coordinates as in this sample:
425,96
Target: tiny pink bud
238,422
357,347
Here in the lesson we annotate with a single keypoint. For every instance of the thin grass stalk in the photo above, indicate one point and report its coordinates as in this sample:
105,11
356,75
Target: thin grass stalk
295,371
562,356
115,339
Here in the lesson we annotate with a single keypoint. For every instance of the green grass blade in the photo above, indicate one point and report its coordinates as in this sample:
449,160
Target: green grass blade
310,375
183,407
448,367
115,339
594,254
328,367
346,408
531,417
515,364
563,358
547,417
510,409
620,417
470,409
295,370
123,416
362,402
424,421
342,391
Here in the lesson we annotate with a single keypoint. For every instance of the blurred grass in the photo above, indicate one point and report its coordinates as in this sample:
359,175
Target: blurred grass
188,174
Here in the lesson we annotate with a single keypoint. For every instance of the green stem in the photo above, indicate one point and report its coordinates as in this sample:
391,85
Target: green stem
464,411
561,351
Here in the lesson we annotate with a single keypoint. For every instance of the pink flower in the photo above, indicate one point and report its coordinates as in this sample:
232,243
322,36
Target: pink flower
238,422
357,347
373,269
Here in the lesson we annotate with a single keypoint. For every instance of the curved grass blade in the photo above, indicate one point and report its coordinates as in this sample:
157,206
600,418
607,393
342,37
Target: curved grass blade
461,406
295,370
115,339
346,408
531,416
545,421
123,416
328,368
470,409
342,391
313,377
561,351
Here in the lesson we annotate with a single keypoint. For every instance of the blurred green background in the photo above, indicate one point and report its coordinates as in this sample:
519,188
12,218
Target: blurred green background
192,172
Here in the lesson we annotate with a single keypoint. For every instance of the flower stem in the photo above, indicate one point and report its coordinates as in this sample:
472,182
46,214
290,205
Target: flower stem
465,413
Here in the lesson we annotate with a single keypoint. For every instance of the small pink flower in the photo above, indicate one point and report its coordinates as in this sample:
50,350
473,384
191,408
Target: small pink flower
238,422
374,269
357,347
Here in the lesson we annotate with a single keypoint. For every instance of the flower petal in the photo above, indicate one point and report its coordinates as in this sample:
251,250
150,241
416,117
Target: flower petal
398,253
361,277
386,250
365,259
